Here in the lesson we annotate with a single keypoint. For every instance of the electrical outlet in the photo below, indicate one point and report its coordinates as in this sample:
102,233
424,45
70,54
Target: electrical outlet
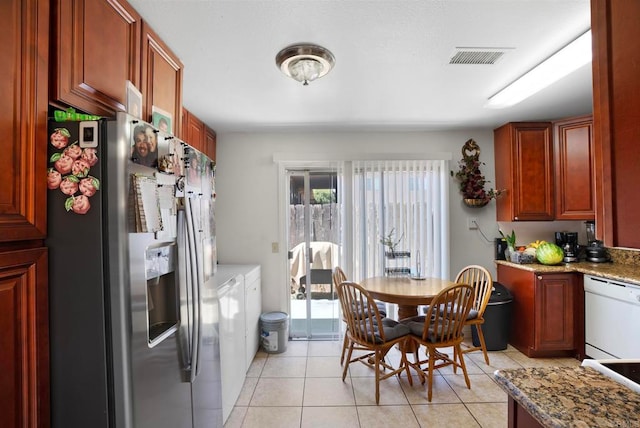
275,247
472,222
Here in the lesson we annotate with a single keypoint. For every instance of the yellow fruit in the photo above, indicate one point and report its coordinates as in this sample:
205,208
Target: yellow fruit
536,244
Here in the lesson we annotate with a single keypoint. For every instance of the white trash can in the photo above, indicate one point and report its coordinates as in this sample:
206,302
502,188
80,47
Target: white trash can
274,332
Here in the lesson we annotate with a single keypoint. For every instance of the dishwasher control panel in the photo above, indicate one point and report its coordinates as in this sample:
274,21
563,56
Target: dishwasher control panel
612,289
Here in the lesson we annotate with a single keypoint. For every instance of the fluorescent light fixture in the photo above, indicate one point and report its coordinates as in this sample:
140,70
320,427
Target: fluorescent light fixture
565,61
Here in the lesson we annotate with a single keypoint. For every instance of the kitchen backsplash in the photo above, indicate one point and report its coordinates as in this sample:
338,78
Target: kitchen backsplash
624,256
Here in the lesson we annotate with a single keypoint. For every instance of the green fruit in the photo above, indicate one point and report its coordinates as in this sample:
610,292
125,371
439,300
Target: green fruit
549,254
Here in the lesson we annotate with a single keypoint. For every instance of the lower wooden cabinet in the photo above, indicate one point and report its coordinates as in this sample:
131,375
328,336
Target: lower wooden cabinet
24,339
518,417
544,316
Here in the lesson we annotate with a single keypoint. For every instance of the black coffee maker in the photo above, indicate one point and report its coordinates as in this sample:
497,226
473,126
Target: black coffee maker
568,241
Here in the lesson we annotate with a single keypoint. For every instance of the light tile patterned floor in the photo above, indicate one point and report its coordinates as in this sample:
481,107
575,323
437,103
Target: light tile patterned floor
303,388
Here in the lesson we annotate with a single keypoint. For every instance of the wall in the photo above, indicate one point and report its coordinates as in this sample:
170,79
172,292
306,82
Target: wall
247,177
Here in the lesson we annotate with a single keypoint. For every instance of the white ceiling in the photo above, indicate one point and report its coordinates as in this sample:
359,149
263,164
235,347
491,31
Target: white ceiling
392,67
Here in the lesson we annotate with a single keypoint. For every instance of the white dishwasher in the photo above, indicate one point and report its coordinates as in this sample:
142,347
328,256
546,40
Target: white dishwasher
612,317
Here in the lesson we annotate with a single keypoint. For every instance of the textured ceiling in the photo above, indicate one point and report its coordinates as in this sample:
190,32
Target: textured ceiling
392,67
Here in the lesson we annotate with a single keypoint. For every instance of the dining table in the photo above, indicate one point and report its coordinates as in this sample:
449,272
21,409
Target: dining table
407,292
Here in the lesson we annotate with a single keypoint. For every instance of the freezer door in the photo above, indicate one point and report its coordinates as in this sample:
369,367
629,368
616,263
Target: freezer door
206,387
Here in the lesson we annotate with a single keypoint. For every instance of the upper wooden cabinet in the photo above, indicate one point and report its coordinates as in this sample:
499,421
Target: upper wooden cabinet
198,135
97,49
24,125
193,130
616,109
210,140
574,169
524,167
161,78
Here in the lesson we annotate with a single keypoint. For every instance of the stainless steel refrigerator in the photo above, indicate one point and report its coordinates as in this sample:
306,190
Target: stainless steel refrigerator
133,305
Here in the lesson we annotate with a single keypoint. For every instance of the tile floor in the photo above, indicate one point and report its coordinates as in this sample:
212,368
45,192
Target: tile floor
302,387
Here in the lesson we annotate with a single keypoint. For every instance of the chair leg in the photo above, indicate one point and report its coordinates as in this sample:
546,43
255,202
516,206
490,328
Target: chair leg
406,363
345,345
416,361
377,369
430,380
463,366
482,343
455,358
346,365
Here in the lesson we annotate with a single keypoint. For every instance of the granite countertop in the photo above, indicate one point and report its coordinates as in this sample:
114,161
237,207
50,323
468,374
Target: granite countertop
616,271
571,397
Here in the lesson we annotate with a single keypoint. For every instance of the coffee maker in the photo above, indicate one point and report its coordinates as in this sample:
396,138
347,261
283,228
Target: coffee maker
568,241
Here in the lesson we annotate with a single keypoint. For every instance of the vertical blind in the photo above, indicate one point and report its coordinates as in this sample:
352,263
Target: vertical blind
406,201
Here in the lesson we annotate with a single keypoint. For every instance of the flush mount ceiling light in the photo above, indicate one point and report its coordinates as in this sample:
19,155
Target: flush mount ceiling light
565,61
305,62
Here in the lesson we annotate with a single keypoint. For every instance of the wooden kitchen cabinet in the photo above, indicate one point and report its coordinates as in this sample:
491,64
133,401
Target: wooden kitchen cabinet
544,316
161,78
616,108
24,346
524,167
24,104
24,339
193,130
210,140
97,49
574,169
198,134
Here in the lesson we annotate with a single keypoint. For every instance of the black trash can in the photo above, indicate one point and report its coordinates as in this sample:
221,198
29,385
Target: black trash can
497,320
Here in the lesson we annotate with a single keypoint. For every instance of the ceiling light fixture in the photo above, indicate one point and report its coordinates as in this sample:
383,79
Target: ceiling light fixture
305,62
565,61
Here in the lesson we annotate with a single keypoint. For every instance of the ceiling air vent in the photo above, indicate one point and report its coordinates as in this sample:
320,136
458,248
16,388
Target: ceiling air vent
477,56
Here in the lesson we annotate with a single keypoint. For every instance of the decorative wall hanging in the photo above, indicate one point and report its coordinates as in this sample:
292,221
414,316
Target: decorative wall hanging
471,179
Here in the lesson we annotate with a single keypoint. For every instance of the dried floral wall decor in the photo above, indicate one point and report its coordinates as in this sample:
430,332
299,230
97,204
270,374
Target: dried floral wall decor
471,179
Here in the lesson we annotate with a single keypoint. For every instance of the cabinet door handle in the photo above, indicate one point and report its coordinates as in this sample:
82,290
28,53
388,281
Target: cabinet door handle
539,277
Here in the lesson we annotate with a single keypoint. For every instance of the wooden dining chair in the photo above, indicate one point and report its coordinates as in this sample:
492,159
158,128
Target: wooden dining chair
441,327
367,330
480,279
338,278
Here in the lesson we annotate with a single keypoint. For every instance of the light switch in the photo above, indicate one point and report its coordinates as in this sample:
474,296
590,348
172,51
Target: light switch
472,222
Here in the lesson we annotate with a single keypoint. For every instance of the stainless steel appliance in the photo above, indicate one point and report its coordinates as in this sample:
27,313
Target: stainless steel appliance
607,306
568,241
596,252
133,305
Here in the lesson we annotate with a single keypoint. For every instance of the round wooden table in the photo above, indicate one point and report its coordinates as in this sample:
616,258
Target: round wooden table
407,293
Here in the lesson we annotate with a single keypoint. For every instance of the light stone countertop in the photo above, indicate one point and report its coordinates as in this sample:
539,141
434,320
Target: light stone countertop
571,397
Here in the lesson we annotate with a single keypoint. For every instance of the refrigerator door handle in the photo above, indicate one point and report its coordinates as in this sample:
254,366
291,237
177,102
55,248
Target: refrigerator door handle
195,289
185,341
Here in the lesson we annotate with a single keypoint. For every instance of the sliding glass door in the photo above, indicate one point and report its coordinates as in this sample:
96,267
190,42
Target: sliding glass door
314,250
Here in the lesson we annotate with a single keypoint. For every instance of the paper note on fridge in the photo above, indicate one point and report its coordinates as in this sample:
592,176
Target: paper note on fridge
147,204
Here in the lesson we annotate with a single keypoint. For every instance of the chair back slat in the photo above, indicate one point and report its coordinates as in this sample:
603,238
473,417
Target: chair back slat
338,276
447,314
480,279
